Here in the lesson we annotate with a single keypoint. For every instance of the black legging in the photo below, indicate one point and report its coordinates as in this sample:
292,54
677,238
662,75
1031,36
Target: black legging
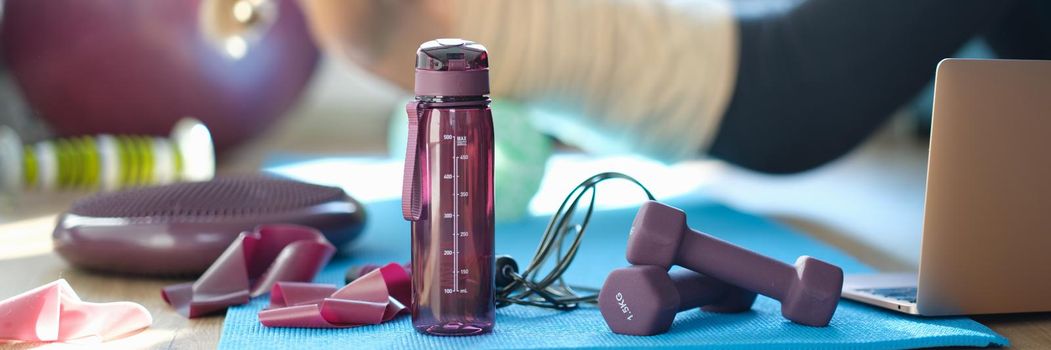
817,79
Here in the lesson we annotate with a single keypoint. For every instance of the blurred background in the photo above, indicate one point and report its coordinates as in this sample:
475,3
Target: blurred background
812,113
278,89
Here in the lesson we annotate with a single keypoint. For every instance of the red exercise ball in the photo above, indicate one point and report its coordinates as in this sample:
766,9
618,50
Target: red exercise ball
137,67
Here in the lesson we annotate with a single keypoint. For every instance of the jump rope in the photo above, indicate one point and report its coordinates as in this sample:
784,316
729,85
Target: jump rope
533,287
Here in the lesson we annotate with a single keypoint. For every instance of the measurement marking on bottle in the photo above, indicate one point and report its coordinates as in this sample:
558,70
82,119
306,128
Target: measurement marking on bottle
456,212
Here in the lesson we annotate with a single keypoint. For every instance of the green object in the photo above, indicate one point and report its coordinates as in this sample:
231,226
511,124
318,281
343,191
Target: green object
91,162
31,167
106,161
520,154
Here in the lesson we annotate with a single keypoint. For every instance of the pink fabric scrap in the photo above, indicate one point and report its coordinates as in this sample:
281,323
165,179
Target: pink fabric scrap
250,266
370,299
54,312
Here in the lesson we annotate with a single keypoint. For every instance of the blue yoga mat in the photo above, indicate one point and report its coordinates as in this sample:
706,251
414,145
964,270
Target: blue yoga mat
387,239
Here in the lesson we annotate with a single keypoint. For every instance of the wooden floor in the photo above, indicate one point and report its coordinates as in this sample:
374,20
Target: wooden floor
169,330
882,230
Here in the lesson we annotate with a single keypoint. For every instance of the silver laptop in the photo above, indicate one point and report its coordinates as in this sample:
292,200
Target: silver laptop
987,217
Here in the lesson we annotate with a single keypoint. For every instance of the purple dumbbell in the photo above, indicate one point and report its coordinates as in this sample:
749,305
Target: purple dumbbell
643,300
809,291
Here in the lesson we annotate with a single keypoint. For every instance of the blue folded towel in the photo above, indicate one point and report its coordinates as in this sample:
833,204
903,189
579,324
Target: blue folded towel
387,239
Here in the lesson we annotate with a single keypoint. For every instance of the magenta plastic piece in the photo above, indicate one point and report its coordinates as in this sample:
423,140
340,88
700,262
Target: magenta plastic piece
54,312
809,291
643,300
391,272
370,299
250,266
448,190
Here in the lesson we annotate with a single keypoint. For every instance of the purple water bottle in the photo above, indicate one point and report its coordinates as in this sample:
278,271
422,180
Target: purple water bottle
448,190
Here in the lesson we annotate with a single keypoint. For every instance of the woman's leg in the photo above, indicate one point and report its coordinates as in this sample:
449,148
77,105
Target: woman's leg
818,78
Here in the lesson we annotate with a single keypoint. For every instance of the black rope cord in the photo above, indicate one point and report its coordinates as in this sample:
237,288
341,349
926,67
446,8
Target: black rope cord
550,290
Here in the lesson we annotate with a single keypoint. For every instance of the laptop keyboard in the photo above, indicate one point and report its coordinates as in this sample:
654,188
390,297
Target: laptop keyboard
907,294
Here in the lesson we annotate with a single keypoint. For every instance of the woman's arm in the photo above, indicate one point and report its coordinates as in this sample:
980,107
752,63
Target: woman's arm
646,76
781,89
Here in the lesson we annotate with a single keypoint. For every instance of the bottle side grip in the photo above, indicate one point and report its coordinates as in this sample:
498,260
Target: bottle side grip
411,201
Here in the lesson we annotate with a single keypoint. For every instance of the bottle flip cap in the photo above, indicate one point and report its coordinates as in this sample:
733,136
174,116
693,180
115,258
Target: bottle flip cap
452,67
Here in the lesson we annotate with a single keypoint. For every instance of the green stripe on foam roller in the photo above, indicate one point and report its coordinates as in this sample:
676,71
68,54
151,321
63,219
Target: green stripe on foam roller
82,163
92,166
30,163
146,149
177,157
135,166
80,173
124,157
74,168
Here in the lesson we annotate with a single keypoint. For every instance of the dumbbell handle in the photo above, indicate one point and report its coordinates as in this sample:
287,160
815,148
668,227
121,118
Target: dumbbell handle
696,290
737,266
